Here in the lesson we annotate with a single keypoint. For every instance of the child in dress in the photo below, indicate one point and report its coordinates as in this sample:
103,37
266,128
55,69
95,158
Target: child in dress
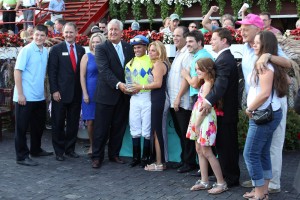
203,129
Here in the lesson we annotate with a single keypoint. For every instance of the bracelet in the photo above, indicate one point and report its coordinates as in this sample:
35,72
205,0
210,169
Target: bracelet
143,87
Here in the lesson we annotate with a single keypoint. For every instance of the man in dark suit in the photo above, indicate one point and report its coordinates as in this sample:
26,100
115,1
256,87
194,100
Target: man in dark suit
64,79
111,96
226,89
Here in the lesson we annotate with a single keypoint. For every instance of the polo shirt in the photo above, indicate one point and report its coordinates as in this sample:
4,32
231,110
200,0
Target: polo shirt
203,53
32,62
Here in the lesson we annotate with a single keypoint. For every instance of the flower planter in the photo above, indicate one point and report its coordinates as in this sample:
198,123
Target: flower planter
171,50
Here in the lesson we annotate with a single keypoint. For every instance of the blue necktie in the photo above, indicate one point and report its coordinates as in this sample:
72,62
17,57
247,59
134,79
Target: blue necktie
120,54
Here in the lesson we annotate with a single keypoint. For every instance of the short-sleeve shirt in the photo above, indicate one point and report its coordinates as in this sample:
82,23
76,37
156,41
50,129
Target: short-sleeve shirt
57,6
9,1
248,62
182,60
203,53
32,62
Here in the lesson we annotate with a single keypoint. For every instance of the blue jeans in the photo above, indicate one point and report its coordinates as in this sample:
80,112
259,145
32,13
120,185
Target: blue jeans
257,149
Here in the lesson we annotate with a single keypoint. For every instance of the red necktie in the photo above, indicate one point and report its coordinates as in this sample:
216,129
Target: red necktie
72,56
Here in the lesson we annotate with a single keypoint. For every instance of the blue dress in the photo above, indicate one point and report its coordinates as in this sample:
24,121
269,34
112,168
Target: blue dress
88,110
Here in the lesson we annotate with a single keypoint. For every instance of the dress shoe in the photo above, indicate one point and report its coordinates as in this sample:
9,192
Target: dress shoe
186,168
177,165
231,183
134,162
27,162
72,154
60,158
96,164
117,160
41,153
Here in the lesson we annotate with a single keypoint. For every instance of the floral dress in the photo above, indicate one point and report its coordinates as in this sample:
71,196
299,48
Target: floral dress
207,132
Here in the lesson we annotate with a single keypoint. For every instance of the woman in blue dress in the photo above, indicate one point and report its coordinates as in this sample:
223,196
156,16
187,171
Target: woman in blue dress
88,80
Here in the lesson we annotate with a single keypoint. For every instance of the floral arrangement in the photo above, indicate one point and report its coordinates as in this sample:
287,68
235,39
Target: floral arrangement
7,40
168,38
235,33
152,36
295,34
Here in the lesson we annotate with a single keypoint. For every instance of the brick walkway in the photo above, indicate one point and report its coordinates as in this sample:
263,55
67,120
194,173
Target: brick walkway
75,179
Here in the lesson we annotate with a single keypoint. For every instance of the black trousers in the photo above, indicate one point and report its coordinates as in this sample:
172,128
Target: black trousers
228,150
65,122
33,114
9,16
181,120
110,123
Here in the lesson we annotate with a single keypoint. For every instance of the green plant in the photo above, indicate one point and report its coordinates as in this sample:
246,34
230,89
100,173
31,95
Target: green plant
123,10
221,4
204,7
178,9
136,10
236,4
113,9
292,130
150,8
164,9
263,5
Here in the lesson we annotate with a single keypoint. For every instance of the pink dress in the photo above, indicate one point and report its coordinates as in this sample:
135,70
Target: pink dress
207,132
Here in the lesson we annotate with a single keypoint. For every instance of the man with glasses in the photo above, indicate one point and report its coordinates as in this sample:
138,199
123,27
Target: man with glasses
266,18
192,26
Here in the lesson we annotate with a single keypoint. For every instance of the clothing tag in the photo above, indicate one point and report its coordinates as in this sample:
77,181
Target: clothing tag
65,53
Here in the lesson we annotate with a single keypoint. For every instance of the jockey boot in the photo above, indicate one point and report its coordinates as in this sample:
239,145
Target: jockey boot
146,154
136,152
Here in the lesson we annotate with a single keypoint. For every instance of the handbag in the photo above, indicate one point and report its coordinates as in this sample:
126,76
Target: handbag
265,115
297,102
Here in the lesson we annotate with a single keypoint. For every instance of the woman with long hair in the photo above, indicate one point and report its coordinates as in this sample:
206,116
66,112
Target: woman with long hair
266,87
158,56
88,80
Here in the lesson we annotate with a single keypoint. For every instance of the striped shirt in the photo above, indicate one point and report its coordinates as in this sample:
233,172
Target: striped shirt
181,60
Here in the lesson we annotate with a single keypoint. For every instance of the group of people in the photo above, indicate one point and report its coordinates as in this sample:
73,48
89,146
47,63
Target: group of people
117,82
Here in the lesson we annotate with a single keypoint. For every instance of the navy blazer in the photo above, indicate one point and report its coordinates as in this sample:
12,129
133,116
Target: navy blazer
226,86
110,72
62,77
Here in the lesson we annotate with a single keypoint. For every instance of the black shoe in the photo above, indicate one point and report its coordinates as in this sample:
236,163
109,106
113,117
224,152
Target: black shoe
60,158
177,165
41,153
27,162
134,162
186,168
72,154
231,184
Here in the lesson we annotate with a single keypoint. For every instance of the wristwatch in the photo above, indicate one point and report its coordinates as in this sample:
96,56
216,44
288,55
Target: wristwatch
269,56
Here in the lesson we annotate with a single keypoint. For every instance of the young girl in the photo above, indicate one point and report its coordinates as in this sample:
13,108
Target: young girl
203,129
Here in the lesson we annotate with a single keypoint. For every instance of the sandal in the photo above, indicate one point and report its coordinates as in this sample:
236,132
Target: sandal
200,185
218,188
266,196
154,167
249,195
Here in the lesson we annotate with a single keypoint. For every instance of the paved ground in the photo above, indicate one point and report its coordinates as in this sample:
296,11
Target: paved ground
75,179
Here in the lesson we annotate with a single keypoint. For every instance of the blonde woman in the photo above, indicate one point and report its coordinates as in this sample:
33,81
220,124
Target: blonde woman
88,80
158,56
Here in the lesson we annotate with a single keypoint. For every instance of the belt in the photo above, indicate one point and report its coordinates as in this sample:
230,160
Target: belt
28,6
